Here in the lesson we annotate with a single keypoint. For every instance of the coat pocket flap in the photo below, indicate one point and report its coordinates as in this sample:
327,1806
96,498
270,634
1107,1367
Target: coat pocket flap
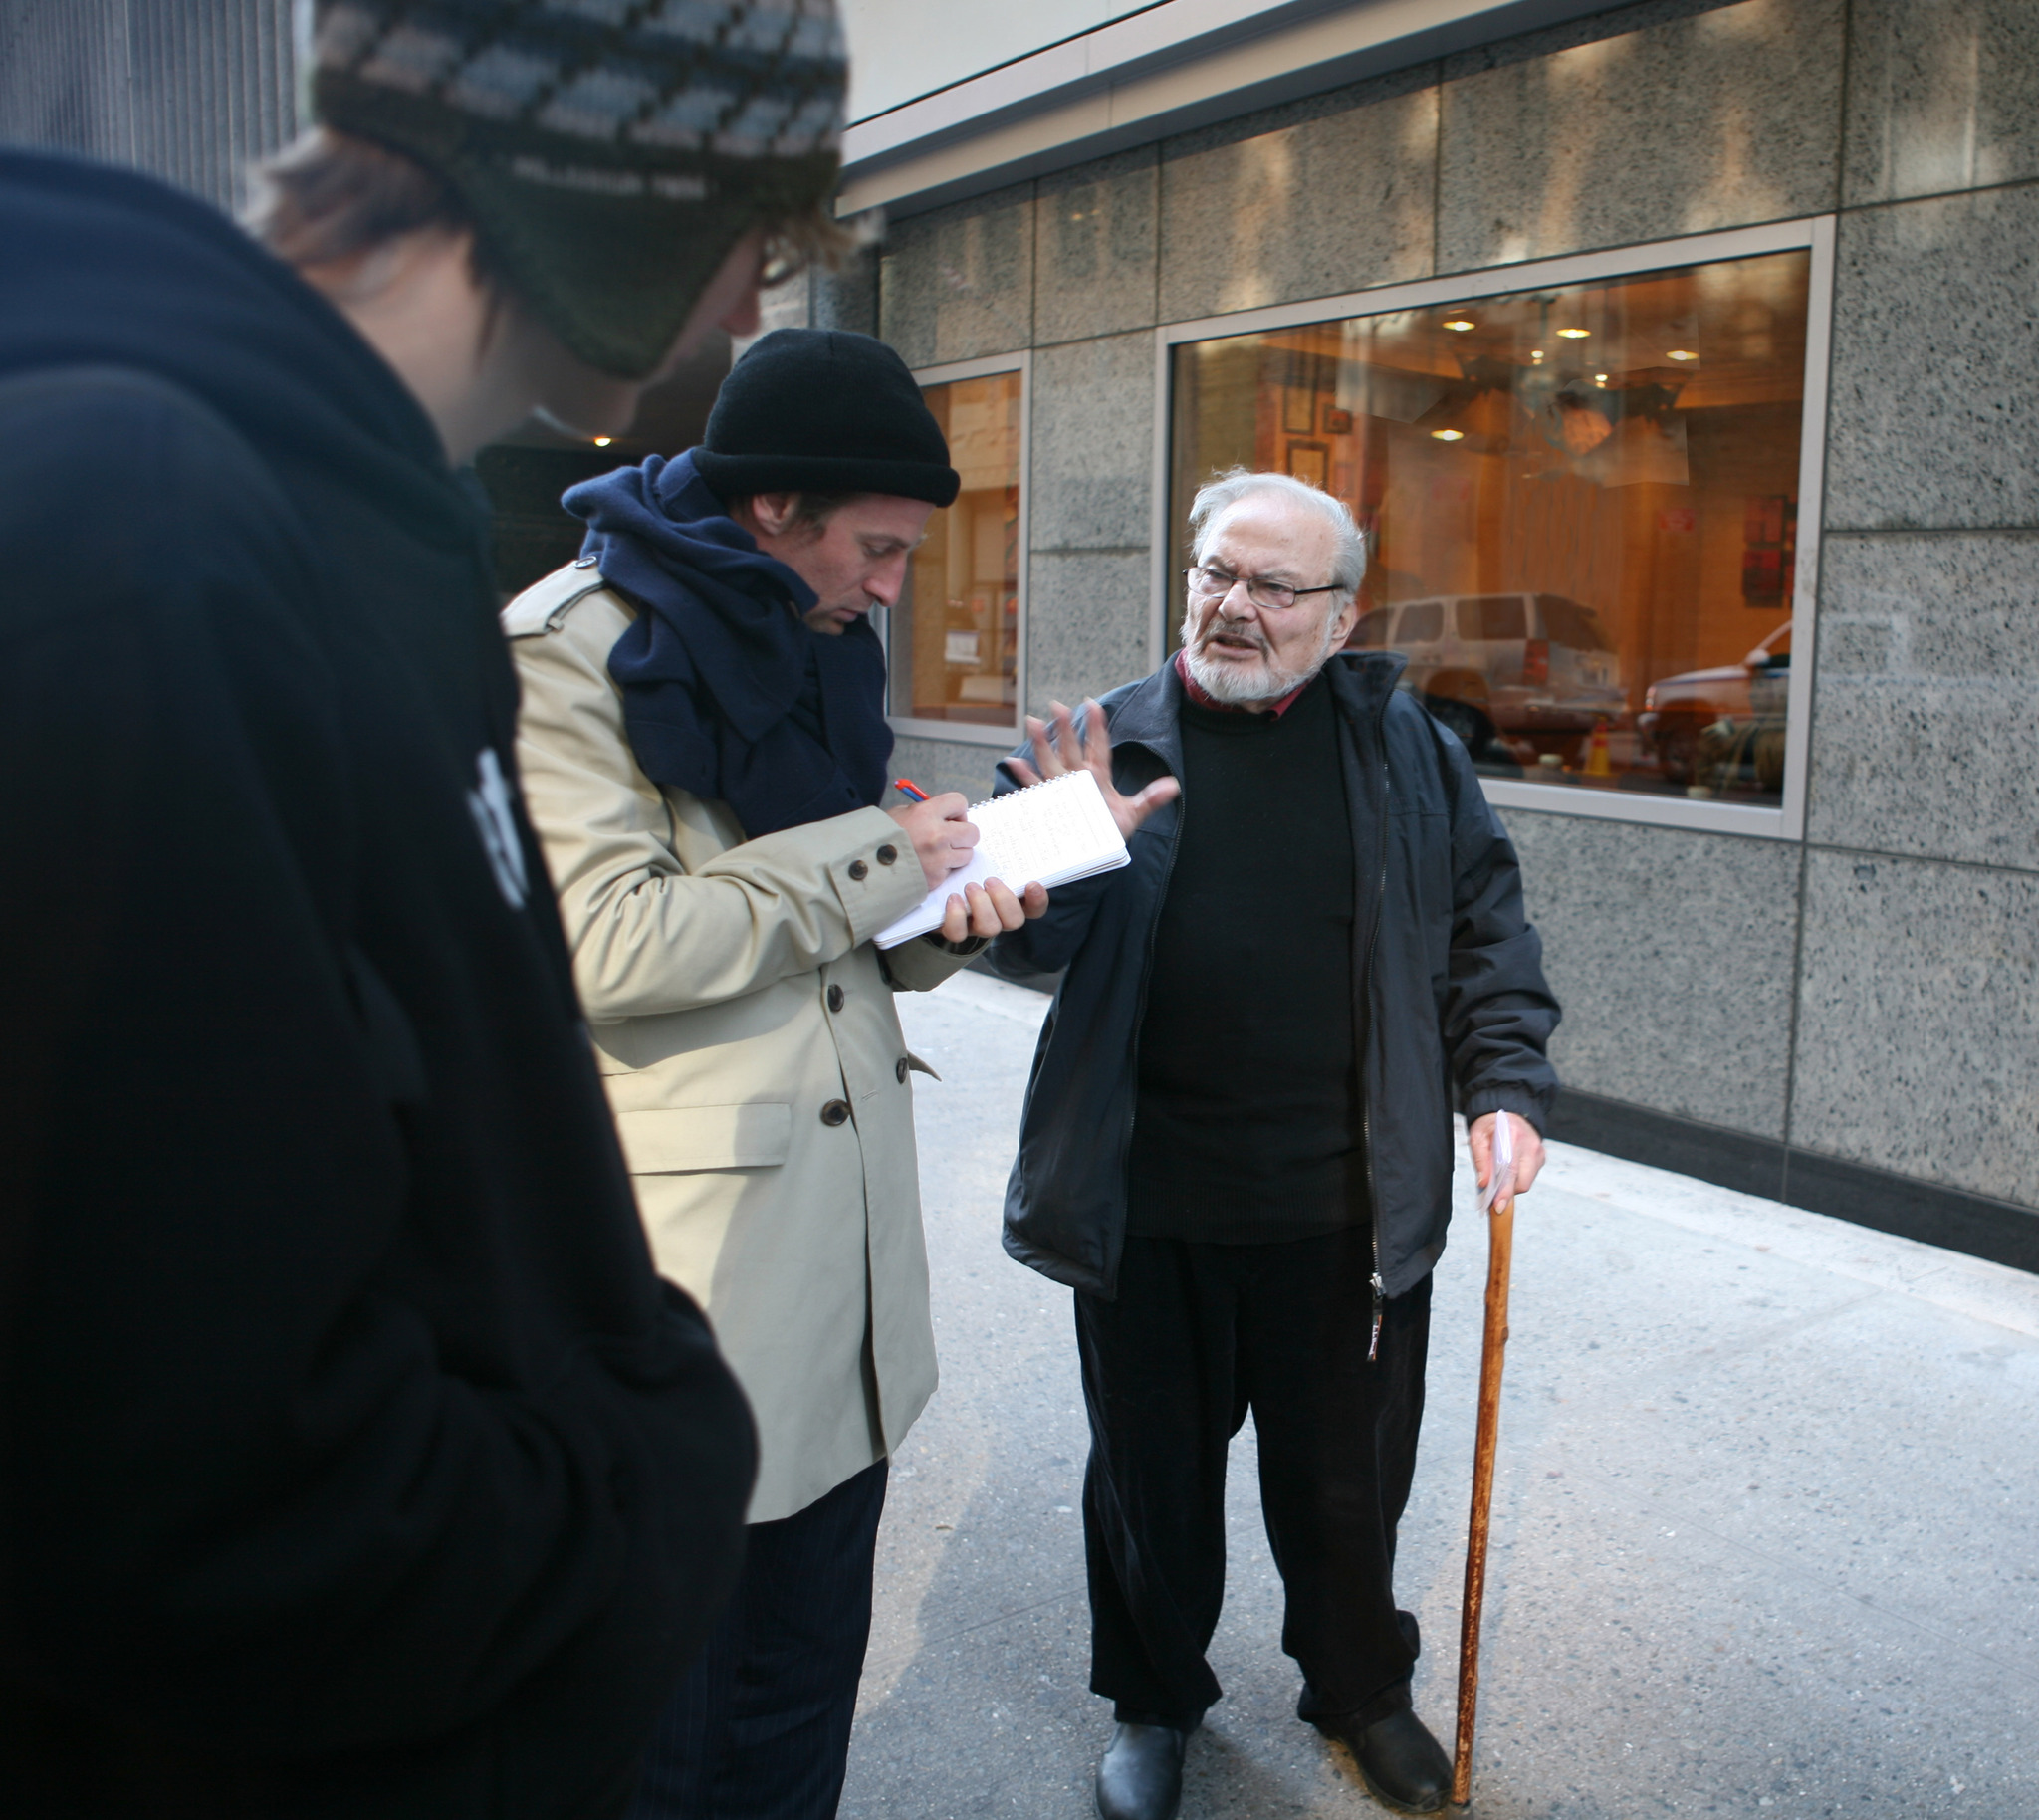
668,1140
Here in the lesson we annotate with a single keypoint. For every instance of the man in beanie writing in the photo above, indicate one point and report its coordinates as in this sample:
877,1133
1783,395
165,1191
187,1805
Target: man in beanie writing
704,745
353,1458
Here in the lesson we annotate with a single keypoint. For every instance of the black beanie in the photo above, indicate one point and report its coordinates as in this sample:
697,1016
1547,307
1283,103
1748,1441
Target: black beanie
824,411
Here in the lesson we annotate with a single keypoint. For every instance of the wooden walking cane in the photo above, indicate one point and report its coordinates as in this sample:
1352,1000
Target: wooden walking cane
1493,1345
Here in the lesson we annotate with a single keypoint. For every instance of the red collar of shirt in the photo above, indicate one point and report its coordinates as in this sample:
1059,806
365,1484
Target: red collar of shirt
1205,699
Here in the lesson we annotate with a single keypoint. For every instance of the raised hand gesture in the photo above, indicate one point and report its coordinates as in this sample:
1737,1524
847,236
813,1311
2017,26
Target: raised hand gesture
1067,749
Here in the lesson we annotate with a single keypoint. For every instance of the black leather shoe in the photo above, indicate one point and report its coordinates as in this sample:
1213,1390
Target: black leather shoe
1141,1774
1404,1766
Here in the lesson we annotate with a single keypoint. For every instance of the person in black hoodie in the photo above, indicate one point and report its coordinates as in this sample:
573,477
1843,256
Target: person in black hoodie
353,1459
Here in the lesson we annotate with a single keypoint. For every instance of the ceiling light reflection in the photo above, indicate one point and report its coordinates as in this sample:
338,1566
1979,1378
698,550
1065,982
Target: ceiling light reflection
1681,354
1449,436
1459,324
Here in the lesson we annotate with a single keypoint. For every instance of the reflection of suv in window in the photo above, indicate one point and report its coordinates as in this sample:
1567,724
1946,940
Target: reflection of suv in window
1528,667
1677,710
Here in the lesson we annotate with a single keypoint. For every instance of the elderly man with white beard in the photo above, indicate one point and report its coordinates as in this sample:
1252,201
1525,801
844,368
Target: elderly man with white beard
1236,1147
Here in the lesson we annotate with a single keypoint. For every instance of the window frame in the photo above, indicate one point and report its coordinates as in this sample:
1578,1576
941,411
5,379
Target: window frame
1812,232
972,732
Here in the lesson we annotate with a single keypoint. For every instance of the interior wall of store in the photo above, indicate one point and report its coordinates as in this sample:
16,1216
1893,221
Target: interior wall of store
1869,993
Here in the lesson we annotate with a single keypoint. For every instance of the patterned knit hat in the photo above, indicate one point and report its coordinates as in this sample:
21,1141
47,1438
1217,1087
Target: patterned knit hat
612,152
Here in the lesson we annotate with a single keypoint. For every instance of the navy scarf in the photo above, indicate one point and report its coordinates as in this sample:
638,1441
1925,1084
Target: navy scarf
728,693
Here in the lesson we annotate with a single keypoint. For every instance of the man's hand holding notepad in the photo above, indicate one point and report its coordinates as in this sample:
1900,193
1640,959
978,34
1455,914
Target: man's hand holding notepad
1049,833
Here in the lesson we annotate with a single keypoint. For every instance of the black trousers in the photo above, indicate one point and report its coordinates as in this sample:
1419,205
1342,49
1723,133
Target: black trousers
1199,1335
760,1729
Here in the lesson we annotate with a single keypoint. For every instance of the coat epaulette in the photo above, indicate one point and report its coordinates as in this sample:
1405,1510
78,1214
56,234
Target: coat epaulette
541,605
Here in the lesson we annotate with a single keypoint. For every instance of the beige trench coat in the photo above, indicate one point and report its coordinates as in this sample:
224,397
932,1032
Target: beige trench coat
736,1007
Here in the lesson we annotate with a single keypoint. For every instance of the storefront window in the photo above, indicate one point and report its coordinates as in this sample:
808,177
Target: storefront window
955,635
1581,509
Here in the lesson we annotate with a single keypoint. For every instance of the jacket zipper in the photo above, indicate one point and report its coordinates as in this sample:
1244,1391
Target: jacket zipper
1366,1121
1146,980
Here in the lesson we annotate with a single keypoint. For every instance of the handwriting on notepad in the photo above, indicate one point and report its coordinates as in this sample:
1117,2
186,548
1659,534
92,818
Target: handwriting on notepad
1049,833
1031,833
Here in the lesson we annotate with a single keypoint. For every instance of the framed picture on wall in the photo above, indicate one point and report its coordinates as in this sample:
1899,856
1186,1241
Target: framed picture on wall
1298,410
1337,422
1309,461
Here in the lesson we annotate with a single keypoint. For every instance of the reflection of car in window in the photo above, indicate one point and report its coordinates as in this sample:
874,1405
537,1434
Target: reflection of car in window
1525,668
1677,710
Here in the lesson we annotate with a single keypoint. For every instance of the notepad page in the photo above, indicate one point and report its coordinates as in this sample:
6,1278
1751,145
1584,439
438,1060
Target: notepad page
1057,827
1049,833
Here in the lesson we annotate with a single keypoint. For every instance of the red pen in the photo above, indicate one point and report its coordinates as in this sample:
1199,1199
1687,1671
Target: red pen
911,789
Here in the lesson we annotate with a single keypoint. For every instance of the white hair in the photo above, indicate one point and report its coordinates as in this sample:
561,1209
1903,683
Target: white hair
1218,495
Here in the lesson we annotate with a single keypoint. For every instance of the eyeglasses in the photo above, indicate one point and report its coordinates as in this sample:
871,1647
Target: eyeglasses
1207,578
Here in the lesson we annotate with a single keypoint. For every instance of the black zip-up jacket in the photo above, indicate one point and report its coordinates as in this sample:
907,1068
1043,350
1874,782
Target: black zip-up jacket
353,1461
1448,983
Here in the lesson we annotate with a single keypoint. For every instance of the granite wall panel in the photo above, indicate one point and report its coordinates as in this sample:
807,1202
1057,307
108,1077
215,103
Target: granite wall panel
1712,119
1671,952
1087,623
847,299
1940,97
1096,242
1935,416
1918,1021
1334,202
1927,666
1092,448
958,282
939,765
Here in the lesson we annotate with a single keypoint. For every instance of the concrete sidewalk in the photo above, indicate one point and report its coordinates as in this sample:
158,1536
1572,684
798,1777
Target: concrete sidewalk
1766,1527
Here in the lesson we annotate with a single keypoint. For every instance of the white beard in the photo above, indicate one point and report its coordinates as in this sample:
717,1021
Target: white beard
1238,687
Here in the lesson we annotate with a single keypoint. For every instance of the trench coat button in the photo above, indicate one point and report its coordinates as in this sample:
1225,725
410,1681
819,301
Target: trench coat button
886,855
858,869
835,998
836,1112
899,1069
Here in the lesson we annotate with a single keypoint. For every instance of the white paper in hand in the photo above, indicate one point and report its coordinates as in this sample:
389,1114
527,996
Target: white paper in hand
1049,833
1500,1163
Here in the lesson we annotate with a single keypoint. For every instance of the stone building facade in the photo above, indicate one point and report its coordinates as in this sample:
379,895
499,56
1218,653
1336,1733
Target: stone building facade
1846,1019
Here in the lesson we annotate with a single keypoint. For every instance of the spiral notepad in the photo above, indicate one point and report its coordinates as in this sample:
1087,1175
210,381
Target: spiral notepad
1049,833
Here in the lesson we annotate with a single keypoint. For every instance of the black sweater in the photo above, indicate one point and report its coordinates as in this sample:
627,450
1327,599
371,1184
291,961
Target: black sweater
353,1459
1246,1128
